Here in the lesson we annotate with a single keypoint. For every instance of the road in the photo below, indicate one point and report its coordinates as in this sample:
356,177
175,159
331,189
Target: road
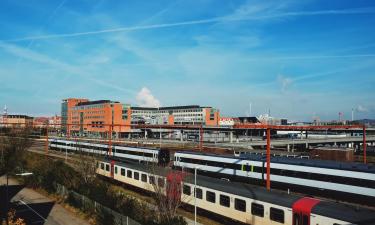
35,208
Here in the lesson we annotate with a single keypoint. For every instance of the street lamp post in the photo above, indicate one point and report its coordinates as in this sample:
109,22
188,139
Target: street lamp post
195,194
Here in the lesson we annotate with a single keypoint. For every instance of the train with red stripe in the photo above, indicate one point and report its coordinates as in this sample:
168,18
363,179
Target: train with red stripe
236,203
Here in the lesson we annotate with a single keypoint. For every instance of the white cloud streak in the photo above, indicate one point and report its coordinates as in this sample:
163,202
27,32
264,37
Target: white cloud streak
369,10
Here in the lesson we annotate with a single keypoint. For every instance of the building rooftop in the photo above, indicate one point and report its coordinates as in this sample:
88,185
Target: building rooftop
19,116
169,107
96,102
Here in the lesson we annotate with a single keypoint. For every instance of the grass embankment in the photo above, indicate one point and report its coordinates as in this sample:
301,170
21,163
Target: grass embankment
48,171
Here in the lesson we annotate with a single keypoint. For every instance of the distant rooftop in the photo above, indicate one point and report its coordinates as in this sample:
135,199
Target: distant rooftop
19,116
95,102
169,107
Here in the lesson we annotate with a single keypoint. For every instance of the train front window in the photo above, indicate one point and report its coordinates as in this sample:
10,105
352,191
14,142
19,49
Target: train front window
102,166
296,219
305,220
107,167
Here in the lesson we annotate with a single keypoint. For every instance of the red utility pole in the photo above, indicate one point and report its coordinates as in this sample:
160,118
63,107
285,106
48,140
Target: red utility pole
268,158
364,144
110,140
200,138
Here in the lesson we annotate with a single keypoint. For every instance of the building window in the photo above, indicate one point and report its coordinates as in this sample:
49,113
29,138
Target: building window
210,196
224,200
187,189
257,209
240,204
277,215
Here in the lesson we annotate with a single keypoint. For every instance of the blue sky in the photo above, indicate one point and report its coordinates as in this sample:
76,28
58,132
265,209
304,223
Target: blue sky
300,59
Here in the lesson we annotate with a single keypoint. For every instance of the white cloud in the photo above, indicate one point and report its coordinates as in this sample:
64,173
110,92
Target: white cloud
146,99
285,82
361,108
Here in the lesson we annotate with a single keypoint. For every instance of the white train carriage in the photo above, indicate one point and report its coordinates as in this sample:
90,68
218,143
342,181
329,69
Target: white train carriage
119,152
241,202
359,182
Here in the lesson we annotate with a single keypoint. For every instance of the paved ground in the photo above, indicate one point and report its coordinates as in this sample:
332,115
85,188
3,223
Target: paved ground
34,207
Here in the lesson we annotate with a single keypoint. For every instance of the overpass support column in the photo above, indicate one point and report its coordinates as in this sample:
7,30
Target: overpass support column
364,144
307,145
288,147
181,137
231,136
145,134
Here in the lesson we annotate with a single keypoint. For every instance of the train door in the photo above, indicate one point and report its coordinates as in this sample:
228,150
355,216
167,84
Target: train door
302,210
112,168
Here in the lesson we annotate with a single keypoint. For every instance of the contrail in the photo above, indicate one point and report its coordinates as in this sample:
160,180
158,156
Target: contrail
203,21
311,57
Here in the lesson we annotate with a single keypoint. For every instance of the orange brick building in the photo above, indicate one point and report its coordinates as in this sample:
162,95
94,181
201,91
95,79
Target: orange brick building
95,118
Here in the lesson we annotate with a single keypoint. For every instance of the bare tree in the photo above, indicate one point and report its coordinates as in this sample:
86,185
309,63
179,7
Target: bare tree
13,145
86,166
167,191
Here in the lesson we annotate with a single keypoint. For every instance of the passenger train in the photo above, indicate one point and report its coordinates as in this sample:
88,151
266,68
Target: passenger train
350,181
238,203
118,152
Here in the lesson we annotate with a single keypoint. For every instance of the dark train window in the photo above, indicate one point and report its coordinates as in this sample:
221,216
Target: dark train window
240,204
115,169
160,182
305,220
257,209
136,175
224,200
296,219
187,190
129,173
144,177
152,180
102,166
107,167
122,171
199,193
210,196
277,215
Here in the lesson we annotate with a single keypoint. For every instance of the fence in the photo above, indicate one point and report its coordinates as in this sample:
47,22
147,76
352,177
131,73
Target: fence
107,215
